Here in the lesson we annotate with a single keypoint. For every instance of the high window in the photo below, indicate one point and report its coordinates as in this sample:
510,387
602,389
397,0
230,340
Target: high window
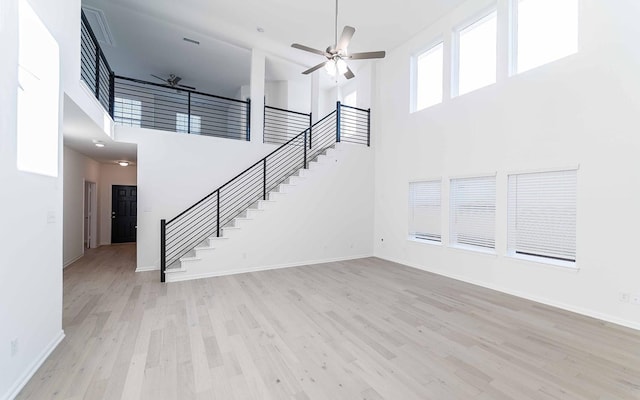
542,216
473,212
424,210
477,54
546,30
429,77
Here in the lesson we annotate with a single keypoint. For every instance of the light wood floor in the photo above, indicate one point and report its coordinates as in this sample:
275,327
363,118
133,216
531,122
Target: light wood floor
365,329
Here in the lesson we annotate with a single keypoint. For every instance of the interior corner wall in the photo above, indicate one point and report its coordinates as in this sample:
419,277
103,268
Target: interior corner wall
581,110
176,170
111,174
31,284
78,169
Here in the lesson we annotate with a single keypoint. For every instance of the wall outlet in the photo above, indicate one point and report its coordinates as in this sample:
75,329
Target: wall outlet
14,347
624,297
635,299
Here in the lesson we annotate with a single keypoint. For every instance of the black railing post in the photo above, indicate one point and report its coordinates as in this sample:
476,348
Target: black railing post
369,127
188,112
97,88
338,113
264,178
112,93
218,213
310,128
304,163
248,120
163,245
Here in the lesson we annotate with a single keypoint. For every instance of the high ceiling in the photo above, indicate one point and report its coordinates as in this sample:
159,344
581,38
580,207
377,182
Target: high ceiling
149,34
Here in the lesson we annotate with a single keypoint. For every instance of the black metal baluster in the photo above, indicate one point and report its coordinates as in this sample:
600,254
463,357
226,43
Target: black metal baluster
338,122
264,178
163,248
218,213
369,127
248,120
310,129
304,163
112,93
188,112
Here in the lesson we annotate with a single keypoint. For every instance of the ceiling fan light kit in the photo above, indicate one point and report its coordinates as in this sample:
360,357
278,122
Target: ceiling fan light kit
336,54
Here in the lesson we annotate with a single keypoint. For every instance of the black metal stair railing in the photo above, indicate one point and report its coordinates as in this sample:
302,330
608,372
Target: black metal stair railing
151,105
94,68
207,217
280,125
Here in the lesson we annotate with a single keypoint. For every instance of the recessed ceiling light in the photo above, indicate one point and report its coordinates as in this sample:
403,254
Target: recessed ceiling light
99,144
123,163
260,29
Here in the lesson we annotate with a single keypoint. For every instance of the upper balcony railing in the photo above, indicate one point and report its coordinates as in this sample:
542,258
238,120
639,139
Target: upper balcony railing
134,102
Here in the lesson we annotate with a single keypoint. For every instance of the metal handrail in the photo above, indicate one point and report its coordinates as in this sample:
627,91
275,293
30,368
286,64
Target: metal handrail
207,216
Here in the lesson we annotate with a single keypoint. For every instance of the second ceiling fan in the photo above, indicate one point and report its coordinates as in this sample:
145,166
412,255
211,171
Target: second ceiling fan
337,54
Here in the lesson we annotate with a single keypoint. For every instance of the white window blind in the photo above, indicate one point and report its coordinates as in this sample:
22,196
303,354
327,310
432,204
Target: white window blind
473,212
542,215
183,121
424,210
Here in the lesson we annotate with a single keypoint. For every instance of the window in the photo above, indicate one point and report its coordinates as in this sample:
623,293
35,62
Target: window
542,216
546,31
473,212
182,122
428,77
38,95
424,210
477,54
127,112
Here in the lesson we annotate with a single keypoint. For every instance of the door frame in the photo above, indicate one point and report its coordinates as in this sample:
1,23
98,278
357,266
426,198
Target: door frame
90,217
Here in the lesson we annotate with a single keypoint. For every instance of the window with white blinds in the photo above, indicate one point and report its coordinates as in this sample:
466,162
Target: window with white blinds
424,210
542,215
473,212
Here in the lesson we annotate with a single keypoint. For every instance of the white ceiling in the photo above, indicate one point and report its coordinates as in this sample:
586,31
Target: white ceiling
148,34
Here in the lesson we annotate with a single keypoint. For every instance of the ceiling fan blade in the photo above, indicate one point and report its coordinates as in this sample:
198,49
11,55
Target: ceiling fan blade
349,74
310,70
345,38
175,80
157,77
309,49
367,55
187,87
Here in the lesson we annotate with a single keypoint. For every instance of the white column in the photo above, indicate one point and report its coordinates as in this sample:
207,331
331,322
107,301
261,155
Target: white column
315,97
257,95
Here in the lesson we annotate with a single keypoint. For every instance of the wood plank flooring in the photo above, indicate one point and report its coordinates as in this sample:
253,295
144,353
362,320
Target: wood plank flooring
366,329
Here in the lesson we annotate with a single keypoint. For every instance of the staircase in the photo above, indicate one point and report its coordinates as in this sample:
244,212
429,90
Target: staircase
216,222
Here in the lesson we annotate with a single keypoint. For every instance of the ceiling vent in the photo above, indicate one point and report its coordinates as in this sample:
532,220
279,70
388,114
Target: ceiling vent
99,25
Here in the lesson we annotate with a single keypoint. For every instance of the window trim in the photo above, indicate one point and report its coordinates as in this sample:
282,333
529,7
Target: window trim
423,239
455,43
539,259
464,246
424,50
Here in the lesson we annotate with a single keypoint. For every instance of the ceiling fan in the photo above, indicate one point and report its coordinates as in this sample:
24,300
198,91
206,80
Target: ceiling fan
337,54
172,81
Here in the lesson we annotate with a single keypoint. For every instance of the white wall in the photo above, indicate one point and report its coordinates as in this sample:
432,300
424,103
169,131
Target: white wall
31,230
175,171
327,215
582,110
111,174
78,168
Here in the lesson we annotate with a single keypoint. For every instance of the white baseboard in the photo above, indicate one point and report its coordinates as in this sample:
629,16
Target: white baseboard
177,277
568,307
31,370
66,264
147,269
